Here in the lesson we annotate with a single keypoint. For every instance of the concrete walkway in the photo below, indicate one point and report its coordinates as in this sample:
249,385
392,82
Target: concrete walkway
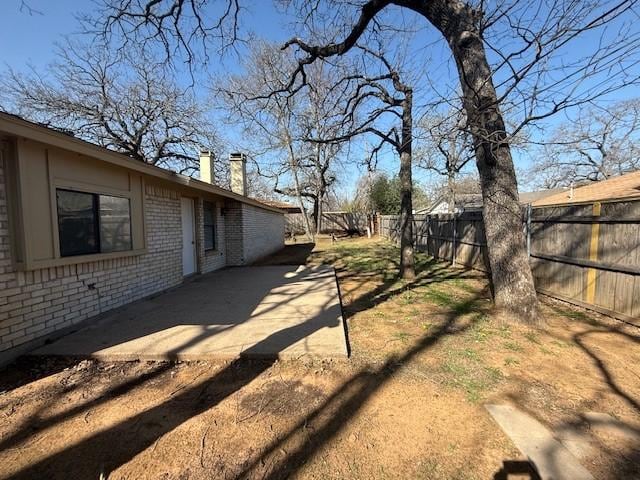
270,311
550,458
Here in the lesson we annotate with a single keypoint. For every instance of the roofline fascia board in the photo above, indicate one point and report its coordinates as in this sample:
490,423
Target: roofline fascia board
587,202
22,128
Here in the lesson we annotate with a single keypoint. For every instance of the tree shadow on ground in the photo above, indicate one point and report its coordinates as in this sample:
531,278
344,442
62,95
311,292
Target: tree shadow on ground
294,254
108,449
625,461
329,418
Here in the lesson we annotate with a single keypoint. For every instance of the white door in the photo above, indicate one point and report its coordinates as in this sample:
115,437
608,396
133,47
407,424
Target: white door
188,237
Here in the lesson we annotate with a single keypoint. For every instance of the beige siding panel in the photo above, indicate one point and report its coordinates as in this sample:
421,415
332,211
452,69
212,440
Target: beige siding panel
36,205
79,171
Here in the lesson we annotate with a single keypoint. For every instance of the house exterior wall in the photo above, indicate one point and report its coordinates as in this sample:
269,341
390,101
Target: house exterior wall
37,303
45,302
262,232
251,233
210,260
233,233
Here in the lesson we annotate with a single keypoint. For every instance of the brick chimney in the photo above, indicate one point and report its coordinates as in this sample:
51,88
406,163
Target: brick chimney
206,166
238,167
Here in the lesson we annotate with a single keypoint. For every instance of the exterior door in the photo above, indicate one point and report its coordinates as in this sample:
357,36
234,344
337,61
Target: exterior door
188,237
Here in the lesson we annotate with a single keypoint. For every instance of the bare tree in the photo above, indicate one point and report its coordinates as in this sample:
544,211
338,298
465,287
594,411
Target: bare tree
446,148
125,104
598,144
270,122
536,73
469,29
392,97
184,29
321,119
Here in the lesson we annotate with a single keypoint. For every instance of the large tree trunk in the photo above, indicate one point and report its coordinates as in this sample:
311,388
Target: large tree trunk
513,286
407,261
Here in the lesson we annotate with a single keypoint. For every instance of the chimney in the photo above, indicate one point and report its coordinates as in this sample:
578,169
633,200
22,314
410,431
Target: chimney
238,167
206,167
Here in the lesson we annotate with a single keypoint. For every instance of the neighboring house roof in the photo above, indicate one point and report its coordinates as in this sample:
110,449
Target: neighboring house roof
19,127
463,201
530,197
473,201
623,187
287,207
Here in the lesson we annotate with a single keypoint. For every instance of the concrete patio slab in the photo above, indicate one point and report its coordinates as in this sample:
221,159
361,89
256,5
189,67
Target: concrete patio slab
270,311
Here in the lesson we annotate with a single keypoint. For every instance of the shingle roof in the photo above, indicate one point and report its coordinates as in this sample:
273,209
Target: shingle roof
15,125
289,208
617,188
530,197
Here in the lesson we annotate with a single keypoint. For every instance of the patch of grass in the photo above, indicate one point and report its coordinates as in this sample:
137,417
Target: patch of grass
546,351
430,469
504,331
481,330
402,336
575,315
532,337
407,297
561,344
509,361
513,346
440,298
465,306
464,369
462,284
470,354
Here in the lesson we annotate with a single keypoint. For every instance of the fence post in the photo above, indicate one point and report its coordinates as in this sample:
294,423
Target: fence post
529,230
592,274
453,253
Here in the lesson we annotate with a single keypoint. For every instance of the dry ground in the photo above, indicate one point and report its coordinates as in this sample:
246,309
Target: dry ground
426,356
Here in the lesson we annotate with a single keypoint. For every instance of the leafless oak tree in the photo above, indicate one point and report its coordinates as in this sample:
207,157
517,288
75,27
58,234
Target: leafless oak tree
273,124
468,29
182,28
535,72
370,99
125,104
598,144
445,147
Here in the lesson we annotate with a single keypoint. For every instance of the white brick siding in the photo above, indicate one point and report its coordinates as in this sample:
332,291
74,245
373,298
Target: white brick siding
210,260
35,304
262,232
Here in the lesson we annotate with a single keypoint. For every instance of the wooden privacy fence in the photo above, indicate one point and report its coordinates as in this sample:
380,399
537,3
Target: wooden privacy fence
588,255
331,222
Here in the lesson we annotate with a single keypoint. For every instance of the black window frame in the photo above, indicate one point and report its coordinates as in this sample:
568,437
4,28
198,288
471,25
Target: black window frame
211,225
98,232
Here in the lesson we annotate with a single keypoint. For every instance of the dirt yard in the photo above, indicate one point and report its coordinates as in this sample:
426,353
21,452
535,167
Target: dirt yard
426,357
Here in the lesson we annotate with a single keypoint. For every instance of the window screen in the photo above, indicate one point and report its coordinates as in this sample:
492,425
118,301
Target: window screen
115,224
209,226
77,223
92,223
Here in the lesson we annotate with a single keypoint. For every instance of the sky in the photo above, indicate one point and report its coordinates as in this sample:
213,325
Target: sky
29,39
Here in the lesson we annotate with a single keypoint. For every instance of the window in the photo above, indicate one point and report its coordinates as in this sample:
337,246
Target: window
91,223
209,226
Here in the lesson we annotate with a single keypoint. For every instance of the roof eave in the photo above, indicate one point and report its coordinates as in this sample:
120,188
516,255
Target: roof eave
22,128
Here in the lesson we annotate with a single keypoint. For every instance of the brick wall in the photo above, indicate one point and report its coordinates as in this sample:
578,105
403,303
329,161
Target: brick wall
210,260
233,233
262,232
34,304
